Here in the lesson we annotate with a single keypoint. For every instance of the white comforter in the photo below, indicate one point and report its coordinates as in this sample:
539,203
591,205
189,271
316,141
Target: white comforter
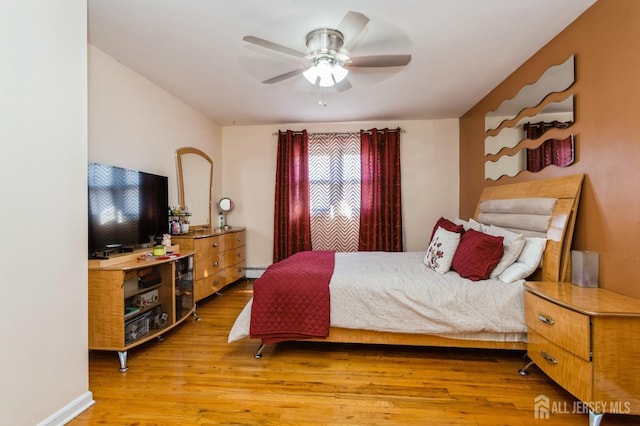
396,292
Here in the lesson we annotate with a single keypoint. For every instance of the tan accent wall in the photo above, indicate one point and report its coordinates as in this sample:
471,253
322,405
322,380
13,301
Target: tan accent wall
606,42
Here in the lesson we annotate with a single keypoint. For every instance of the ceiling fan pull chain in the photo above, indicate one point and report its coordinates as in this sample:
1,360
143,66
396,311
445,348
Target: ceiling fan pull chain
323,97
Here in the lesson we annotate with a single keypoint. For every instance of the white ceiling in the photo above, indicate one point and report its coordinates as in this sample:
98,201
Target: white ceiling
461,49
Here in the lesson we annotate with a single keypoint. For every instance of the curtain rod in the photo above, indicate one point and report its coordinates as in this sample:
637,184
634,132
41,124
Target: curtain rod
338,133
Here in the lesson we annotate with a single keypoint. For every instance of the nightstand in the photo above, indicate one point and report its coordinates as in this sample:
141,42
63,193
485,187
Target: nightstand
588,341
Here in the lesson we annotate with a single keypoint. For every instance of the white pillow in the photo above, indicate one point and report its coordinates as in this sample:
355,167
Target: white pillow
441,250
477,226
513,244
528,261
462,222
470,224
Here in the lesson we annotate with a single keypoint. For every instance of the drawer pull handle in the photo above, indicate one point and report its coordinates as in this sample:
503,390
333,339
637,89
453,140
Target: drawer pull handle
239,238
214,245
545,319
548,358
216,263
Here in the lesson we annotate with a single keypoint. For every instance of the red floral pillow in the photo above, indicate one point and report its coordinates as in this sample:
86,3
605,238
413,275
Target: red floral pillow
477,255
448,225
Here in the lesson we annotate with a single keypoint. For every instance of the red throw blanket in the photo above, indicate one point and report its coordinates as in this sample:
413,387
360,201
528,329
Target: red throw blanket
291,299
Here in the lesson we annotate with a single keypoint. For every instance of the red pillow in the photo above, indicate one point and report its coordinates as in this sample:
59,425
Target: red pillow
477,255
448,225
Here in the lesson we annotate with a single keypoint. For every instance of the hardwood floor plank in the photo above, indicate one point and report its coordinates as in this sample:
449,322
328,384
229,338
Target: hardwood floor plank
194,377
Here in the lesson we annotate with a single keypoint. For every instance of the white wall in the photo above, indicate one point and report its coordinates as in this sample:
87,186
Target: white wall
43,131
135,124
430,177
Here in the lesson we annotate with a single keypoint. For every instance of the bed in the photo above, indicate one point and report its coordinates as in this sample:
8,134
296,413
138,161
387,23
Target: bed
382,298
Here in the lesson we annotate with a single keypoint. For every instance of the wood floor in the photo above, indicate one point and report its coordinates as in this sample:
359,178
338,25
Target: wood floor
194,377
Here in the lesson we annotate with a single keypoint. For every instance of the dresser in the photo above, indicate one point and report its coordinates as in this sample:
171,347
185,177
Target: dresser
220,258
588,341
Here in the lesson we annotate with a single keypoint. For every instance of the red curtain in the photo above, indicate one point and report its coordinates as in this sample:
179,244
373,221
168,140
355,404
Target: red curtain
558,152
292,224
380,201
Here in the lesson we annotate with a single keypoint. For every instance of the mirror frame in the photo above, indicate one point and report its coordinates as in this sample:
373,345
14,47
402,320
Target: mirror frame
180,152
231,205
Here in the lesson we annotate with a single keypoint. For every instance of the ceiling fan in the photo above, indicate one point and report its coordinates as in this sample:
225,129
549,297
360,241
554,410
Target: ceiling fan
327,60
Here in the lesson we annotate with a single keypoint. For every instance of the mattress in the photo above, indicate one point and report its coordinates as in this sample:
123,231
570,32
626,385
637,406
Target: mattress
396,292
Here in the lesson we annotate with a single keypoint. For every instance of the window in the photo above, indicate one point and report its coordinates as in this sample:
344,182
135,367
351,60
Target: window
334,190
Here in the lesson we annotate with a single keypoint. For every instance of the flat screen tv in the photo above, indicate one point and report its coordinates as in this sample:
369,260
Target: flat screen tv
127,209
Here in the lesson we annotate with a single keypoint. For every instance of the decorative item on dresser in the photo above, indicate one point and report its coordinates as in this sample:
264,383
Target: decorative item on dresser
588,341
220,258
135,297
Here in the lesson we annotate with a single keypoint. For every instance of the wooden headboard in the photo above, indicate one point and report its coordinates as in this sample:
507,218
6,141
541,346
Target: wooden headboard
566,190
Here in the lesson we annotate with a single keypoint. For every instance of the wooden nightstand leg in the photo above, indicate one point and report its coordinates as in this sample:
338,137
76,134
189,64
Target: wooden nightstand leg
595,418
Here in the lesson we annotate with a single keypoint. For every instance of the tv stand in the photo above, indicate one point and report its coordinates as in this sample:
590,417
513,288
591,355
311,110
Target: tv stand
135,297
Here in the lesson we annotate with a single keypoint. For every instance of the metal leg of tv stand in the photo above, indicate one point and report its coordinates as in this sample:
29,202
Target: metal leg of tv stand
195,315
122,355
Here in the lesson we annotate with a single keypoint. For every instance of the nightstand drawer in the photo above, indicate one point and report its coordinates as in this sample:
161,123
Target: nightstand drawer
566,328
568,370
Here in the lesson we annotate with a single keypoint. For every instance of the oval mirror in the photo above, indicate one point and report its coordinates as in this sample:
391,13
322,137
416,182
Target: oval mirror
225,205
195,179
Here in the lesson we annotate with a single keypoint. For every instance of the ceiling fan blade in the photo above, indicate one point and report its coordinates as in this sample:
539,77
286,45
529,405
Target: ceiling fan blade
352,26
274,46
377,61
284,76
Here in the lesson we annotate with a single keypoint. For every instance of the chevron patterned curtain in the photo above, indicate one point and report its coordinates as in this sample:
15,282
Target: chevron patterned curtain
334,187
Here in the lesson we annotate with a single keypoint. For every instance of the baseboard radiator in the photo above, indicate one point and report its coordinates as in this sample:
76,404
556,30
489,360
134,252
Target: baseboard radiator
255,271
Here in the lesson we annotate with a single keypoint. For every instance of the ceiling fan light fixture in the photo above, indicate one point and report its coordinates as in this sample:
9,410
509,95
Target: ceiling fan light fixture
311,74
326,81
328,63
339,72
327,70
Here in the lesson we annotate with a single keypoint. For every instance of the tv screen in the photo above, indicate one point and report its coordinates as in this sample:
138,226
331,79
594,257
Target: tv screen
127,208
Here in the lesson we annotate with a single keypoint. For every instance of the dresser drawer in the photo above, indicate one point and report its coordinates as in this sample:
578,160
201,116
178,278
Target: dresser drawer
234,239
207,247
236,272
208,266
207,286
231,257
568,370
566,328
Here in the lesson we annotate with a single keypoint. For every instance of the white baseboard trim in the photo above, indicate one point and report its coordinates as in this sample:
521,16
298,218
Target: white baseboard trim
255,271
69,411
